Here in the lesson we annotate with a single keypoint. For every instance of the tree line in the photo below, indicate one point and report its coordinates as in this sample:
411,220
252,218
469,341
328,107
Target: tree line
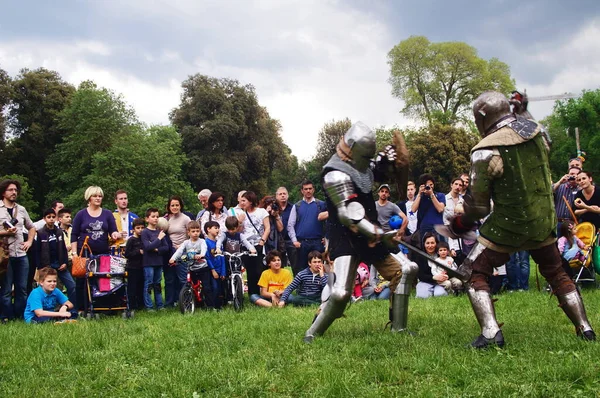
58,139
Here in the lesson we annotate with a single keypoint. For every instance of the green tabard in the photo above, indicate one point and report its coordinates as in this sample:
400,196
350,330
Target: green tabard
523,203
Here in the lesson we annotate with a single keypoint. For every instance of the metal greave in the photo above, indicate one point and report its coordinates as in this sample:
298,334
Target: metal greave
572,304
483,306
340,285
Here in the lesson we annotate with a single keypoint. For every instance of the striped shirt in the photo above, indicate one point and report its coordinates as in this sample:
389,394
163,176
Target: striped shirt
569,192
306,284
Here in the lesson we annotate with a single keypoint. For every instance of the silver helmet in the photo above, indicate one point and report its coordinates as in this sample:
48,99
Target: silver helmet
488,108
361,141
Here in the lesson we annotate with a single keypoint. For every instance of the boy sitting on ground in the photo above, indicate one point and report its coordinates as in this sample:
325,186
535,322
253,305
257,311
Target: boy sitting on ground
44,300
272,282
308,283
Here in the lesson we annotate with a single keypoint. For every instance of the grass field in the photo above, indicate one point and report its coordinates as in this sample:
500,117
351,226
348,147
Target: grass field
260,352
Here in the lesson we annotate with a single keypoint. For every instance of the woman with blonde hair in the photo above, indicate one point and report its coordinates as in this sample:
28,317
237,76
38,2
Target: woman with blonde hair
96,223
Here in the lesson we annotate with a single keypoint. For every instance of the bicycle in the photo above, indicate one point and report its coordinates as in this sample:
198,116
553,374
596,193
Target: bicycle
190,294
235,283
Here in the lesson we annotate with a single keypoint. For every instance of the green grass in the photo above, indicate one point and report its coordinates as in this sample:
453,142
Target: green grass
260,352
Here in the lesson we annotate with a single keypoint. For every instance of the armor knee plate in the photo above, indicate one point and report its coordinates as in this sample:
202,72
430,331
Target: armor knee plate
409,272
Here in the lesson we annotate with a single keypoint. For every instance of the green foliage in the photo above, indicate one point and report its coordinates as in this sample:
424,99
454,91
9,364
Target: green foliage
105,145
442,151
36,99
95,120
584,113
25,197
438,81
5,96
329,137
210,354
230,141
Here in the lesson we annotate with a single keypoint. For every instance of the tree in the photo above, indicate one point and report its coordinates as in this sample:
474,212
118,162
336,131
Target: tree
328,138
582,113
443,151
95,120
230,141
147,164
438,81
37,99
5,96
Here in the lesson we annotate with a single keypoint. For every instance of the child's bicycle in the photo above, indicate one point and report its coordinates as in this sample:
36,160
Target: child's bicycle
235,283
190,294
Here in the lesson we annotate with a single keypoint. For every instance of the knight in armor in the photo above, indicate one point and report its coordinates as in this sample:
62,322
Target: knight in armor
509,166
354,234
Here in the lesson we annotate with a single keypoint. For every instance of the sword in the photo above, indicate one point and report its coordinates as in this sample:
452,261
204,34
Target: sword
451,272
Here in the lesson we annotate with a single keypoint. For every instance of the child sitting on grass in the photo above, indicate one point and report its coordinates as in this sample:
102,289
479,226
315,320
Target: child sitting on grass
308,283
452,285
361,281
272,282
44,300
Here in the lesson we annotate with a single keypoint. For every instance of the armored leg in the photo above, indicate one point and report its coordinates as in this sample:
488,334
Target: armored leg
482,263
572,305
399,310
339,291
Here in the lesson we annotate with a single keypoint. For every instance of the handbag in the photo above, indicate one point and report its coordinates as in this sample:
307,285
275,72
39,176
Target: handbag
79,268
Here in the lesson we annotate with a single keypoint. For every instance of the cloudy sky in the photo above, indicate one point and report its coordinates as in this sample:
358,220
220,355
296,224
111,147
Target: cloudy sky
311,61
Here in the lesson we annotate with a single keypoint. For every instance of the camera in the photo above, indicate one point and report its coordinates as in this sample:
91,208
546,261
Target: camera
10,224
274,206
427,187
571,178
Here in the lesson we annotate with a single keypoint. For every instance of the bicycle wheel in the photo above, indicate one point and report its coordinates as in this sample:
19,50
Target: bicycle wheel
187,301
238,293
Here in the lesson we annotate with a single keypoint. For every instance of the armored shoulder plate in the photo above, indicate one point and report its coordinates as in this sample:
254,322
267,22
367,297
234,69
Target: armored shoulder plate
524,127
338,186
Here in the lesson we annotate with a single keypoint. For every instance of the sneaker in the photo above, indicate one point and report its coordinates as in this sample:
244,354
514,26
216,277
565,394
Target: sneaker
482,343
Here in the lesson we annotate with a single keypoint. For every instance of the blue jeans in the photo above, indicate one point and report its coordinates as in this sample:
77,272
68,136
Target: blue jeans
517,271
16,274
152,279
382,295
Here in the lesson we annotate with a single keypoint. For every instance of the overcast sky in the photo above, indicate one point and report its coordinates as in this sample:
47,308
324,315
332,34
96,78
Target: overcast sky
310,61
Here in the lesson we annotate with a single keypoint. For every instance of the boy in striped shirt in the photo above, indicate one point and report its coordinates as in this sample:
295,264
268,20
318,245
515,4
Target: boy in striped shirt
308,283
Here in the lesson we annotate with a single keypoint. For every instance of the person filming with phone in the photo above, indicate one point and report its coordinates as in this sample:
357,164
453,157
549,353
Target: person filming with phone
430,206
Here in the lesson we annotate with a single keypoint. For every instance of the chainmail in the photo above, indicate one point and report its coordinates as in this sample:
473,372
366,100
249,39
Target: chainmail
364,181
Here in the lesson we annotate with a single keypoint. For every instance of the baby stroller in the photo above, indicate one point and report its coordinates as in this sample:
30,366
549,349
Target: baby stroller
106,285
585,268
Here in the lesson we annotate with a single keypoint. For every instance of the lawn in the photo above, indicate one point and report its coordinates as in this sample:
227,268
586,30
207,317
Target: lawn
260,352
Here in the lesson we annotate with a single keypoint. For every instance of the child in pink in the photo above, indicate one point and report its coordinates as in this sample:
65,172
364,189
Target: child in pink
362,280
569,245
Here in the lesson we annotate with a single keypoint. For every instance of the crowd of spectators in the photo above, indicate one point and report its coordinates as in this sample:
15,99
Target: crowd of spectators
275,233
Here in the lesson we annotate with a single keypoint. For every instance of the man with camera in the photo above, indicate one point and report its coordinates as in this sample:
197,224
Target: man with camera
13,217
565,189
429,204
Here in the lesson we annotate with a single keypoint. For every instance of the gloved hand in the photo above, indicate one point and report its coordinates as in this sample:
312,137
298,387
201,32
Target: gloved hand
384,158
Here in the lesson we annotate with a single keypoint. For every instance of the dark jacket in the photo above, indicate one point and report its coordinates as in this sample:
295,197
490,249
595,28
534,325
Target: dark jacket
132,253
43,247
